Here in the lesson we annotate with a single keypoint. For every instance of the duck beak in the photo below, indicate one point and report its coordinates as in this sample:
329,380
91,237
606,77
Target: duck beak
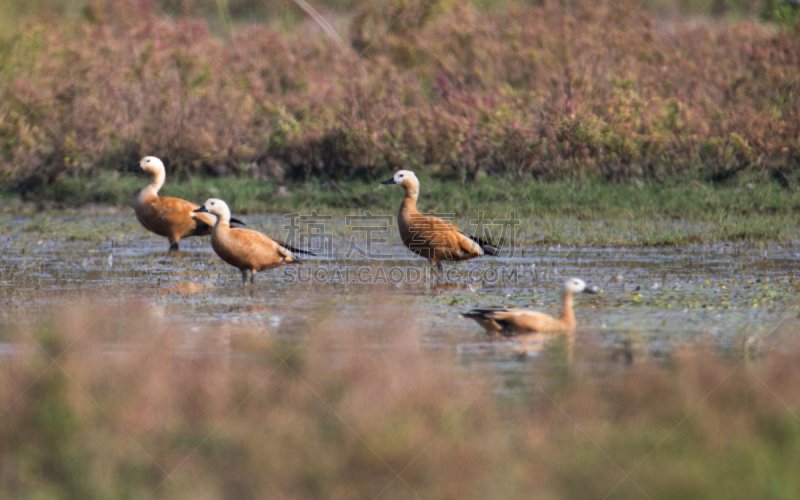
234,220
201,209
590,290
390,181
135,168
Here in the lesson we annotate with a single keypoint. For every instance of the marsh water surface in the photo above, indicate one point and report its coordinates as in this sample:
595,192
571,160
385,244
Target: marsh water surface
653,299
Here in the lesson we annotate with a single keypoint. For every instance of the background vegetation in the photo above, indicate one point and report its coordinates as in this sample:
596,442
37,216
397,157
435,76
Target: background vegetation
545,90
252,102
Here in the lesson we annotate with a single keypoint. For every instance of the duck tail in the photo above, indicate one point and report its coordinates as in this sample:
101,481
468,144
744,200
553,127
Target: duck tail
489,248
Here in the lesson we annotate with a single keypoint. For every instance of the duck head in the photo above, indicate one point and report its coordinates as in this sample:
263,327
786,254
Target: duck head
576,285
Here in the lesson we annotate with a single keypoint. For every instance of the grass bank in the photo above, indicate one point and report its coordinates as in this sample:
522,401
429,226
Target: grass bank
567,212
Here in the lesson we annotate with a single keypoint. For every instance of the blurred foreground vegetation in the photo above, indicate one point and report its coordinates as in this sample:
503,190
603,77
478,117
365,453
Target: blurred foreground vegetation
122,404
545,90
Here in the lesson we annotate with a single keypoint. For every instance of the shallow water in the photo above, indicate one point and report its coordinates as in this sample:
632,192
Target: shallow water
652,300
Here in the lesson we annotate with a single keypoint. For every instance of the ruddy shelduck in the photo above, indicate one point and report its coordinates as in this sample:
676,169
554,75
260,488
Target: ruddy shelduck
245,249
510,322
164,215
432,237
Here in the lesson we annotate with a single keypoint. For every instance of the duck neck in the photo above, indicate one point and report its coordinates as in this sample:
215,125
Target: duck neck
151,190
223,221
567,312
410,200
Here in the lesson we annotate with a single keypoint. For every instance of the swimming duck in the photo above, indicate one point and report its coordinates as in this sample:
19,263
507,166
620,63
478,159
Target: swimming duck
509,322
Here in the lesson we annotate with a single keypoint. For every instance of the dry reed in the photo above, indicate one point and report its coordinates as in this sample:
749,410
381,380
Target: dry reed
132,397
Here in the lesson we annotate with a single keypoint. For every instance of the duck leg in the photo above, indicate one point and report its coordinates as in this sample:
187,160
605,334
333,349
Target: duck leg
252,282
437,272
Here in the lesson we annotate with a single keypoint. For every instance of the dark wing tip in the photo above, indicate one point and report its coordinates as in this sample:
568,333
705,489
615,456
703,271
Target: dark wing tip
481,312
297,250
488,247
293,249
201,226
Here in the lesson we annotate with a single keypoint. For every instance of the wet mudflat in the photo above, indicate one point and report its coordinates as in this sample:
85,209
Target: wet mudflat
354,375
652,300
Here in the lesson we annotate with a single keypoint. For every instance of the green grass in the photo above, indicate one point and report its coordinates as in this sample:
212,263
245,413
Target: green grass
585,213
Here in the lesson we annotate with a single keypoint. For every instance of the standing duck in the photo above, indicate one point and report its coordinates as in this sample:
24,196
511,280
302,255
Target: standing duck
245,249
164,215
432,237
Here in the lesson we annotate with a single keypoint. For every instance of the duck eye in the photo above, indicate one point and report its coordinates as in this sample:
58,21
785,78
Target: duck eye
148,160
